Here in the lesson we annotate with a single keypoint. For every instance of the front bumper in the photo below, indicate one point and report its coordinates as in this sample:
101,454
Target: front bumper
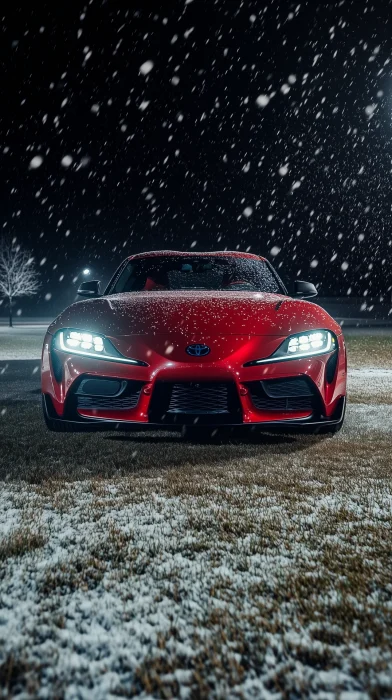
164,387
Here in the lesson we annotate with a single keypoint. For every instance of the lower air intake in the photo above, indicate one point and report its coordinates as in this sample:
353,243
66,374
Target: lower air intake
112,404
198,398
103,394
291,394
195,402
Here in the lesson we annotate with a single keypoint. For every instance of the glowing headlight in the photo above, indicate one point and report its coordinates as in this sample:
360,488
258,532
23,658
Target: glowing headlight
301,345
90,345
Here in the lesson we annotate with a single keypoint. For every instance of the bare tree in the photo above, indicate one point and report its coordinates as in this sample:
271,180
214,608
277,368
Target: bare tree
18,275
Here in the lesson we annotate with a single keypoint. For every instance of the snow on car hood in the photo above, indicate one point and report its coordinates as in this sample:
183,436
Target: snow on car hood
215,313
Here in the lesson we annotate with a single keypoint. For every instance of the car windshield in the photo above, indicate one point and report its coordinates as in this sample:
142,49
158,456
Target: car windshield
170,273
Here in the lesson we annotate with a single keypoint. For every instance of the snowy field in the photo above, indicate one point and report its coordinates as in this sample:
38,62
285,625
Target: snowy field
147,565
22,342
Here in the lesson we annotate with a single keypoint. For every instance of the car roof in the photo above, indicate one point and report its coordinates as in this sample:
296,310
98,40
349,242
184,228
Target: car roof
196,254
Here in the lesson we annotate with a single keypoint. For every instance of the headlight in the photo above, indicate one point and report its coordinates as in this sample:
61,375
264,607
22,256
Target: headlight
90,345
301,345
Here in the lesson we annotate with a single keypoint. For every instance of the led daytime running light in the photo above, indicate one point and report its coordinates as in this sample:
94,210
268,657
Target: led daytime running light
89,345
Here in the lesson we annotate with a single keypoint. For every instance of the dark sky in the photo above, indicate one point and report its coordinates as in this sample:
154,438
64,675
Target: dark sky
253,125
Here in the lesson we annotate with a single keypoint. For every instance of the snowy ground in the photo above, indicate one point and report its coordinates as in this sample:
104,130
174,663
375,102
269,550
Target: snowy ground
143,564
22,342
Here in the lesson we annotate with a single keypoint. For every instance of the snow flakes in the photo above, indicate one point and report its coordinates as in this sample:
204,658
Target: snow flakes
262,100
175,80
275,250
146,67
370,109
344,266
314,263
84,162
143,105
283,170
296,185
285,88
66,161
252,18
248,211
48,296
292,79
36,162
94,108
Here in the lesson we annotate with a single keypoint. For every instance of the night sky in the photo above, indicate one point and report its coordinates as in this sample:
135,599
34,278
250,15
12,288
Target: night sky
258,126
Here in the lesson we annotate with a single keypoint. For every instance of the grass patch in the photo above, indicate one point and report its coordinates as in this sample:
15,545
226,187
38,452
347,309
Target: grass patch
20,541
260,564
369,350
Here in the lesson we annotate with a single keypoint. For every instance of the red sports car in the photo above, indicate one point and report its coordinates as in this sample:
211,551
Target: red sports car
194,339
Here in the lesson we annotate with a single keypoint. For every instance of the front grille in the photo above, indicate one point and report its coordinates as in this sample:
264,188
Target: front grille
291,394
195,402
196,398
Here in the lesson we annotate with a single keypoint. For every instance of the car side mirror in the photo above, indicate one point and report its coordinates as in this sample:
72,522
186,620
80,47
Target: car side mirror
89,289
304,290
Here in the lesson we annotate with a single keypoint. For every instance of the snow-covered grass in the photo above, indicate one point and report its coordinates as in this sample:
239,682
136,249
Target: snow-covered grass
147,565
370,385
266,574
369,349
16,345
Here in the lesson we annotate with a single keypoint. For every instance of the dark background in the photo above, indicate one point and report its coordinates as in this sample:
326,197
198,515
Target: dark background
181,172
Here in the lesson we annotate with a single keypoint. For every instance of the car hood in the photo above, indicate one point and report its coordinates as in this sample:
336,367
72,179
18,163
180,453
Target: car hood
194,313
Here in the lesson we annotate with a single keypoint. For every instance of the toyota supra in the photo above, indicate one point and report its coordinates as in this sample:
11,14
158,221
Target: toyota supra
194,339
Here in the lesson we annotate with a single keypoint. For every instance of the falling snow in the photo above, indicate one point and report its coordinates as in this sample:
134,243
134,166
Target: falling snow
146,67
268,130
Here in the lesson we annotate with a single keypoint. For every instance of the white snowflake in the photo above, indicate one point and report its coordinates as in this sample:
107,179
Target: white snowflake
262,100
36,162
283,170
146,67
66,161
